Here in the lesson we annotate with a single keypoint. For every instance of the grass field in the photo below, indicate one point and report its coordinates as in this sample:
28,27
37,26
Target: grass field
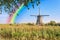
29,32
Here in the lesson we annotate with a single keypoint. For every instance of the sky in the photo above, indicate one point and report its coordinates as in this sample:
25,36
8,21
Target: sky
47,7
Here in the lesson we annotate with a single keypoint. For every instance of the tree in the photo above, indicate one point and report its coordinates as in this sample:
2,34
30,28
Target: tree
52,23
9,4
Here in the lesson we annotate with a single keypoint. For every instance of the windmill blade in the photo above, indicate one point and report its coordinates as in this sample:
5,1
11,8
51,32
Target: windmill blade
33,15
39,11
0,11
44,15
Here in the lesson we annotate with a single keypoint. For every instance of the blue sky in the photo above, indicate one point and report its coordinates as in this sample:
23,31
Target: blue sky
47,7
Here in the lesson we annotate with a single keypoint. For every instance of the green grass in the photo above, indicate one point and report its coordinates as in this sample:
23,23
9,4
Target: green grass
29,32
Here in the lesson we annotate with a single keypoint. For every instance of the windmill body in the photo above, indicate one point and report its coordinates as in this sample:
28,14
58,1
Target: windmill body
39,20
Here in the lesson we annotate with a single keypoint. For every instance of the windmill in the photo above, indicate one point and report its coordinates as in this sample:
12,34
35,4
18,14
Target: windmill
39,18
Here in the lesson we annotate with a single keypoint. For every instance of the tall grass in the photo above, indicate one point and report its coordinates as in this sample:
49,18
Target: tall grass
27,32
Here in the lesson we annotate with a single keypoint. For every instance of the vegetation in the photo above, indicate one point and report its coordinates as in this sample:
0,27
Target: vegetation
29,32
53,23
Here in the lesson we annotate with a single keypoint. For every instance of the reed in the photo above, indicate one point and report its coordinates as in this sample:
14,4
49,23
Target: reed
27,32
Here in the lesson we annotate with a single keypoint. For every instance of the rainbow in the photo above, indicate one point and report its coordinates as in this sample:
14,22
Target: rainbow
13,17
